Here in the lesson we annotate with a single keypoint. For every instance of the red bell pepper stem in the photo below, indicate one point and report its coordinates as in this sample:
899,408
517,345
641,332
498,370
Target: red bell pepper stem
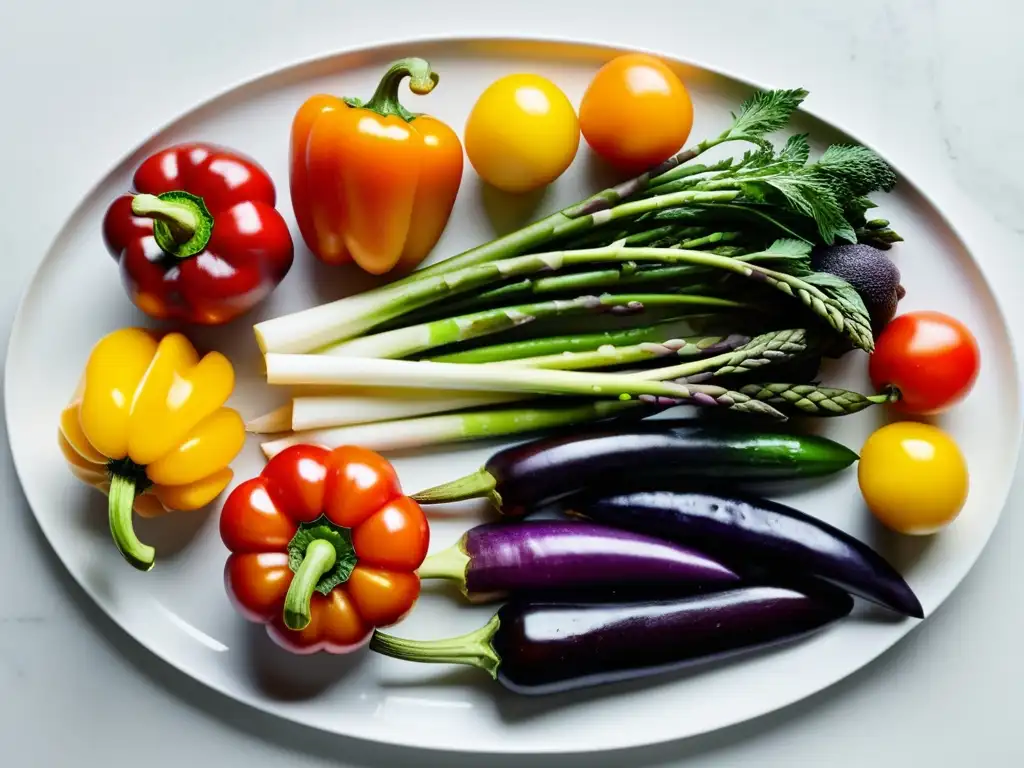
181,219
384,101
320,558
121,502
182,224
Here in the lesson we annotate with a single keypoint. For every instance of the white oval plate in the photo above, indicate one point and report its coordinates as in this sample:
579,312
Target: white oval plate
180,611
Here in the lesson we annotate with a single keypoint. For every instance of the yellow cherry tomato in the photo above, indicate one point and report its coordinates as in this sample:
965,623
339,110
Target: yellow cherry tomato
636,112
913,477
522,133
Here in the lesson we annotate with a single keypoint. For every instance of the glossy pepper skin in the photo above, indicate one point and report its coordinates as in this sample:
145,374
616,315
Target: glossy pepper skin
374,183
148,427
199,239
324,548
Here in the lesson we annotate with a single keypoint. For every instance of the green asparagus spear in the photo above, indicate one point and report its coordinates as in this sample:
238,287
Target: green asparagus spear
607,355
403,342
814,399
586,342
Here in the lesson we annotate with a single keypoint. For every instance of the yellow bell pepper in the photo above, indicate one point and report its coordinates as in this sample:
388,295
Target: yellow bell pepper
148,427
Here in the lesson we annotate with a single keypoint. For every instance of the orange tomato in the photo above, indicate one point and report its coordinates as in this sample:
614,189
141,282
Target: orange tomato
636,112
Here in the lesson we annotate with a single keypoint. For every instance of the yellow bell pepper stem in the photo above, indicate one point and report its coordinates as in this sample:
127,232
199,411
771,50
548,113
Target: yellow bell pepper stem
125,482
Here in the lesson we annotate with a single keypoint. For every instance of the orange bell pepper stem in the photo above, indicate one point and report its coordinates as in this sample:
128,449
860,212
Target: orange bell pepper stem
372,182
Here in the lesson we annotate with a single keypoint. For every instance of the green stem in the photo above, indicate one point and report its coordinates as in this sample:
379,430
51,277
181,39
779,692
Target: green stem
181,219
712,239
474,649
627,274
422,80
182,224
473,486
633,208
607,356
320,558
643,237
410,340
557,345
120,504
449,564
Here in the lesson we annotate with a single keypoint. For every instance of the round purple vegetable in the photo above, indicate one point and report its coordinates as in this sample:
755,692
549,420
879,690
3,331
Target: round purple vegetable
537,556
538,648
756,535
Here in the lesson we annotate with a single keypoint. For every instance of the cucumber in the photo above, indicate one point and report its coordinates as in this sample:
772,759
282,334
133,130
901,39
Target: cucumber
525,477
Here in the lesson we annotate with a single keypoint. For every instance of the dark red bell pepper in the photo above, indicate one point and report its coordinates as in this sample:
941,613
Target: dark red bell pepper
198,239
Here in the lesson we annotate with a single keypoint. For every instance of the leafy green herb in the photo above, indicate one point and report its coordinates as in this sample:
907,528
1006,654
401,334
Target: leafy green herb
765,112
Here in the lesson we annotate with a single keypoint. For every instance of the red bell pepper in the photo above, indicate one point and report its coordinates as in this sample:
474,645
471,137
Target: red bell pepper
199,240
324,548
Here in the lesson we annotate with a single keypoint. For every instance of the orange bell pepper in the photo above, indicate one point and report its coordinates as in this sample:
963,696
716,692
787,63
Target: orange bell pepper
374,183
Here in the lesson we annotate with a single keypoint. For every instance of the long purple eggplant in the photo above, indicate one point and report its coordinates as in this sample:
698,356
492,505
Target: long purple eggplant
754,534
539,556
524,477
538,648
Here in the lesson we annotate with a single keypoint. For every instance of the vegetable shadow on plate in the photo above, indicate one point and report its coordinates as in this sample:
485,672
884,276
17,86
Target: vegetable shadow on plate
506,211
516,708
599,173
284,676
170,534
901,550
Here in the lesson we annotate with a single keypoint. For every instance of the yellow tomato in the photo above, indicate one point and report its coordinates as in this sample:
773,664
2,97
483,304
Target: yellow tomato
522,133
636,112
913,477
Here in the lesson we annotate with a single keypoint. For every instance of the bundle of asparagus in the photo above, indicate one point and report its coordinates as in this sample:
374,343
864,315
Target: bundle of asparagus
724,248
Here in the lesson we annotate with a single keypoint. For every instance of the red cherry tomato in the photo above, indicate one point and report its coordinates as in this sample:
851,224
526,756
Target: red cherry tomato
932,359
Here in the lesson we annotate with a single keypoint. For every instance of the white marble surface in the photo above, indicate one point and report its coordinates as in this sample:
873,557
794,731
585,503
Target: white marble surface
933,83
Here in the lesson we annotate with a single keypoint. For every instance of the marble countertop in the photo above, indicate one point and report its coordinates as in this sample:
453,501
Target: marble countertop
931,81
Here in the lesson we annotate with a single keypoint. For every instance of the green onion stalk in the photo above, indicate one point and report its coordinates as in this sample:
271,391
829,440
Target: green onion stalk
553,413
298,369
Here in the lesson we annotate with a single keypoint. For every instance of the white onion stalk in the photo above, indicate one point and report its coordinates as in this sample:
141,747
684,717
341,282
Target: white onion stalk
335,411
344,406
404,434
321,369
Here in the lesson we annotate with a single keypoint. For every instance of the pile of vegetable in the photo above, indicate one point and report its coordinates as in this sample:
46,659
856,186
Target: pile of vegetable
663,571
701,274
719,277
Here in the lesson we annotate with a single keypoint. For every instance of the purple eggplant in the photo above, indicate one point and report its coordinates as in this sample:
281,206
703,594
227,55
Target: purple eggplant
753,535
543,556
527,476
538,648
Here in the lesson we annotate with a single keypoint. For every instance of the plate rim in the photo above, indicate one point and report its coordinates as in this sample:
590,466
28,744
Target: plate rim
378,47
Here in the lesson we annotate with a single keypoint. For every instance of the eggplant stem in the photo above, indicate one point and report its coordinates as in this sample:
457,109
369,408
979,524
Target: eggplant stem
473,649
451,564
474,486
